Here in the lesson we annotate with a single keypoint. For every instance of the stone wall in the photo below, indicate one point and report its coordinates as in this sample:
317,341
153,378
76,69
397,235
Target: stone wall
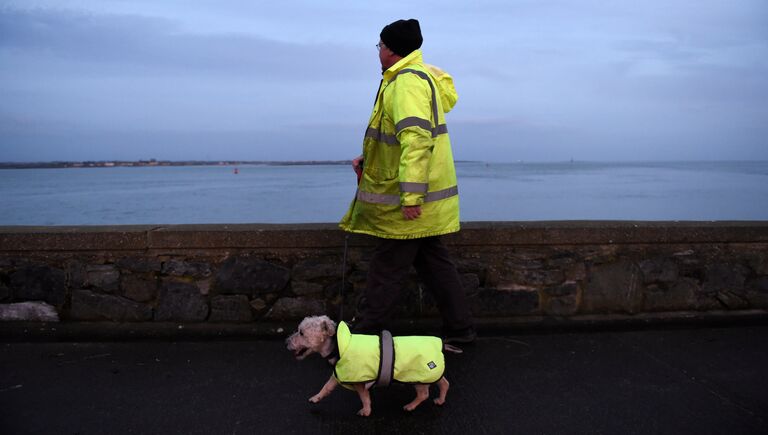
253,273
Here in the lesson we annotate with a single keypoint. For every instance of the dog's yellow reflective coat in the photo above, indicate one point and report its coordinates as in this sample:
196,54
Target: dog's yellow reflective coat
418,359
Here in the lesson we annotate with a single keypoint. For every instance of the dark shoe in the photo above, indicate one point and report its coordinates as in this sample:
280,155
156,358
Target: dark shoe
462,337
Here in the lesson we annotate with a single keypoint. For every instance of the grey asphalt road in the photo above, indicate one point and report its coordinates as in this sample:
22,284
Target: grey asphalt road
673,381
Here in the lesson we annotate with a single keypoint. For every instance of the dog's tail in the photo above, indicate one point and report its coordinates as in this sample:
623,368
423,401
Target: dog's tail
451,348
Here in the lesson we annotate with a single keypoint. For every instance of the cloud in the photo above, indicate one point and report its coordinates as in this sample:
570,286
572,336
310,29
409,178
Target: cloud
152,45
78,70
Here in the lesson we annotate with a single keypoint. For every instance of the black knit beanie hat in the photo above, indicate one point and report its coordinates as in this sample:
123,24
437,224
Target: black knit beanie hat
402,36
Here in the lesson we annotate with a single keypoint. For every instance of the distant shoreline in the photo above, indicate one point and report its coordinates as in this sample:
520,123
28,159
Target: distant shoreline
152,163
168,163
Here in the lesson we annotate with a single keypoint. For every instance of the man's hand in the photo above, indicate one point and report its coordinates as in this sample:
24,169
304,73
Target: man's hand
357,166
357,163
411,212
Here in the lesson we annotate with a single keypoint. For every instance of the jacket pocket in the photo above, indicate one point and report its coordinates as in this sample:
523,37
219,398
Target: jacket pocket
380,175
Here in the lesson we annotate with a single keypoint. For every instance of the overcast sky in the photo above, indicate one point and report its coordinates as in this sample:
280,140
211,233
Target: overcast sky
538,80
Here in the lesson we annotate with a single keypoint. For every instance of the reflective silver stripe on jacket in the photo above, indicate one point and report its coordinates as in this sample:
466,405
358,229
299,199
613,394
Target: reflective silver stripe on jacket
423,123
380,198
442,194
391,139
378,136
414,187
413,121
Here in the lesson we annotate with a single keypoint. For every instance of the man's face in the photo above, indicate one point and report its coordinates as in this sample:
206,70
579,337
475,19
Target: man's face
386,56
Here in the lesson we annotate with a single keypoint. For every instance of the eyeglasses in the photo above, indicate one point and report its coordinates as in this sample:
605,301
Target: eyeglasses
379,45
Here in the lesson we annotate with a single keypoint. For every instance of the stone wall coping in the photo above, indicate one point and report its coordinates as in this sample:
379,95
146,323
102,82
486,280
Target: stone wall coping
327,235
113,331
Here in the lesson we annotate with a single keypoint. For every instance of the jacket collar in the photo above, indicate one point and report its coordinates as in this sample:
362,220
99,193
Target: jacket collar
411,59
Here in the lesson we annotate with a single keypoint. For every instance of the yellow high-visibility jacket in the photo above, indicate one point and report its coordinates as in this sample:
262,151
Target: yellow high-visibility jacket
407,156
418,359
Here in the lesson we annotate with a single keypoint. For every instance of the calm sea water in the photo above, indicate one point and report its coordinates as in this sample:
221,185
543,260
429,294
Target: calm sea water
293,194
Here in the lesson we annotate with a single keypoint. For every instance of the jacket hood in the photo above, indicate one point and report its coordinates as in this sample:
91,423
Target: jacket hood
444,83
443,80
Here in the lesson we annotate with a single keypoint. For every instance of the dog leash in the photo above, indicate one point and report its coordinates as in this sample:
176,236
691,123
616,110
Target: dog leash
359,172
343,277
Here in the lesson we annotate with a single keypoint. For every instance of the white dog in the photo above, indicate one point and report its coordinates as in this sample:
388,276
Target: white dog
361,361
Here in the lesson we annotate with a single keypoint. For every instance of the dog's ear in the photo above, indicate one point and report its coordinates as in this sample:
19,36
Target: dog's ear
329,327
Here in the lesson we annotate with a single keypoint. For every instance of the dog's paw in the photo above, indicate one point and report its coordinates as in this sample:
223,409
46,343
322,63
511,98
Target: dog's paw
409,407
439,401
365,412
316,398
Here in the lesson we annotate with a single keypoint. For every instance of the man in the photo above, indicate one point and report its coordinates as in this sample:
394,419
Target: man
407,194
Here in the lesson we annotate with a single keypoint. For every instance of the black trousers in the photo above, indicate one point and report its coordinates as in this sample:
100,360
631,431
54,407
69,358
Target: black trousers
389,268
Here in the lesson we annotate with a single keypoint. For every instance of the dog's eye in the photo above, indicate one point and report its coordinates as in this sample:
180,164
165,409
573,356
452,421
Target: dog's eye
301,333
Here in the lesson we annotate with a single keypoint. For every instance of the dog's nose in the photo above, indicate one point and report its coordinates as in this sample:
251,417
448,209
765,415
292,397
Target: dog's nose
289,341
